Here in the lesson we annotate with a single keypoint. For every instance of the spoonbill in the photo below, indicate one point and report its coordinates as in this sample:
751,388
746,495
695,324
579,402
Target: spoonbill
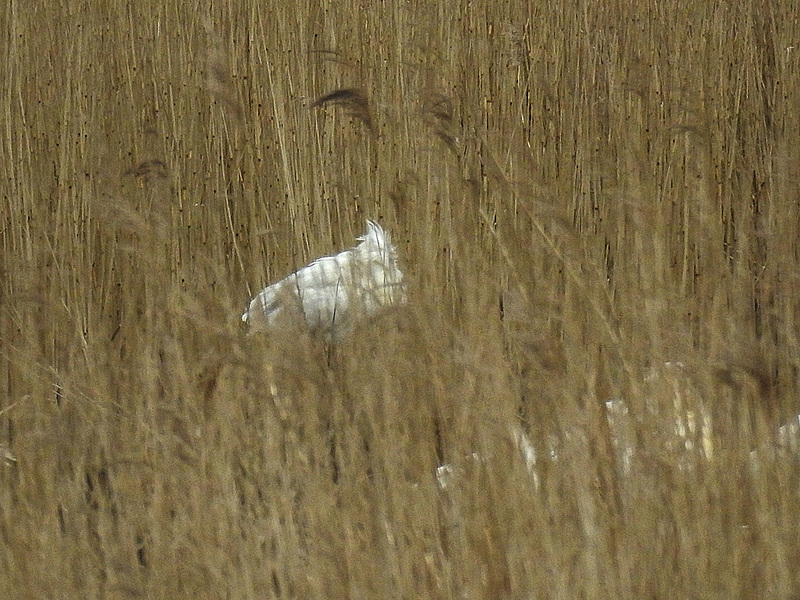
333,293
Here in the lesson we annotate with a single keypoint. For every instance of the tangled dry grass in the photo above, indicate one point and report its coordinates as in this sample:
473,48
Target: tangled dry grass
588,394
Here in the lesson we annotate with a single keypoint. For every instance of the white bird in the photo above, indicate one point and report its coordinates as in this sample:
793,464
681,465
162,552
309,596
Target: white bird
332,293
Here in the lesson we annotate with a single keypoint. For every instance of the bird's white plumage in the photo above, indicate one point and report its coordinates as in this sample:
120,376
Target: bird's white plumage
332,293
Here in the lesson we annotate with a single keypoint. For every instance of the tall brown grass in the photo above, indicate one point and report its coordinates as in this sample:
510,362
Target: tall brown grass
581,192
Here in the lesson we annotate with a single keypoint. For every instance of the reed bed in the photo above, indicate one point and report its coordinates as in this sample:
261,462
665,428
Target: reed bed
596,208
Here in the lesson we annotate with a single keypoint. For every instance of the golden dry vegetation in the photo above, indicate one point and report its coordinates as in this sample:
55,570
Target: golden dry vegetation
595,203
